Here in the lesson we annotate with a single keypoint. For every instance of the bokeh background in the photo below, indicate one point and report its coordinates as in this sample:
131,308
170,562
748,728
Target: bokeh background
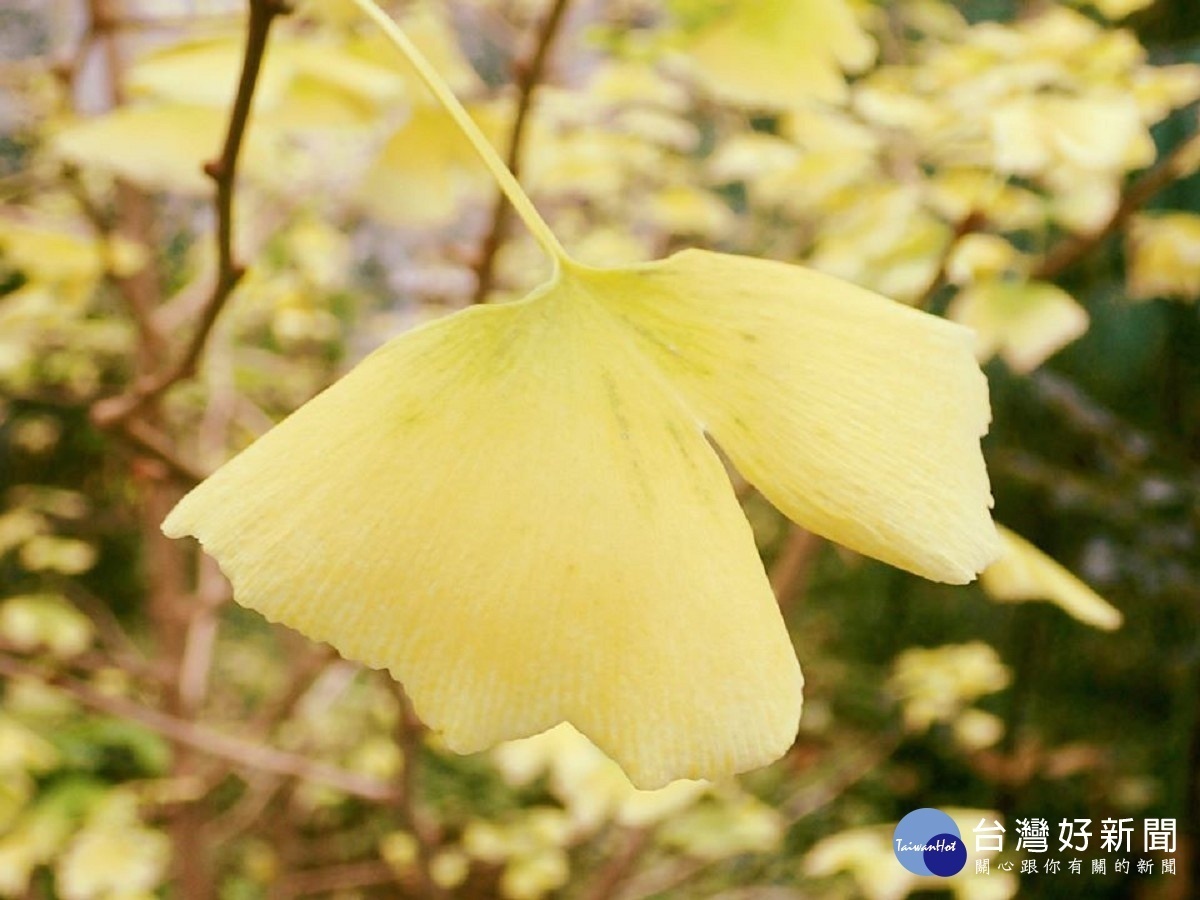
1027,168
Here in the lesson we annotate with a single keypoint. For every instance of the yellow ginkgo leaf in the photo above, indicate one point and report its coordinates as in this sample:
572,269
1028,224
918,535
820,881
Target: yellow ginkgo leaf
62,260
424,171
158,145
779,53
164,146
1026,573
1025,322
205,72
958,192
1119,9
513,509
381,516
824,396
867,855
982,257
620,84
680,209
881,238
1164,256
1099,132
1082,202
48,254
596,164
539,419
1160,89
591,787
428,25
935,684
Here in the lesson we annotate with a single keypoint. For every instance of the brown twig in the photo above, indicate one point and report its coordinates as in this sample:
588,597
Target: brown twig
829,787
972,222
409,730
223,172
305,671
151,441
119,646
1072,249
792,567
245,753
610,876
340,877
528,74
138,291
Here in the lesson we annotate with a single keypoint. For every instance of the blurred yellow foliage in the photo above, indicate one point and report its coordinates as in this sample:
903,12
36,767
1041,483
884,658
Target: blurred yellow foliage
937,684
1164,256
1025,573
1024,322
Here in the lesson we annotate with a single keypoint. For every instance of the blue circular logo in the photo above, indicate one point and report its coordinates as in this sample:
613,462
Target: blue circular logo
927,842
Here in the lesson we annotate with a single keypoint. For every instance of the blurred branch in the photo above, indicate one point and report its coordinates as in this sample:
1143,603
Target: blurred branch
971,223
140,290
306,668
191,18
333,879
831,785
409,730
617,868
1126,443
792,567
1071,250
1125,446
199,737
528,74
223,172
150,440
118,647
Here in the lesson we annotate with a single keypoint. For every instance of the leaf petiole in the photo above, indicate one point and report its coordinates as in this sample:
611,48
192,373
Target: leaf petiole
437,85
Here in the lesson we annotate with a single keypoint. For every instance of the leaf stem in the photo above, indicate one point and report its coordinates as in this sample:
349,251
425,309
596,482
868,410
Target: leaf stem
491,159
528,74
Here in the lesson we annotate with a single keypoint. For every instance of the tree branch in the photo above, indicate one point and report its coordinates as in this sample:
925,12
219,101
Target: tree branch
409,730
1072,249
609,877
223,172
335,878
969,224
152,442
199,737
529,74
790,571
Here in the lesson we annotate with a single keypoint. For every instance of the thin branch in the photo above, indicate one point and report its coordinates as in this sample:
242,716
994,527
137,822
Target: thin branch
790,572
409,730
121,647
193,19
618,867
969,224
1071,250
199,737
223,172
305,670
151,441
529,73
332,879
809,799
